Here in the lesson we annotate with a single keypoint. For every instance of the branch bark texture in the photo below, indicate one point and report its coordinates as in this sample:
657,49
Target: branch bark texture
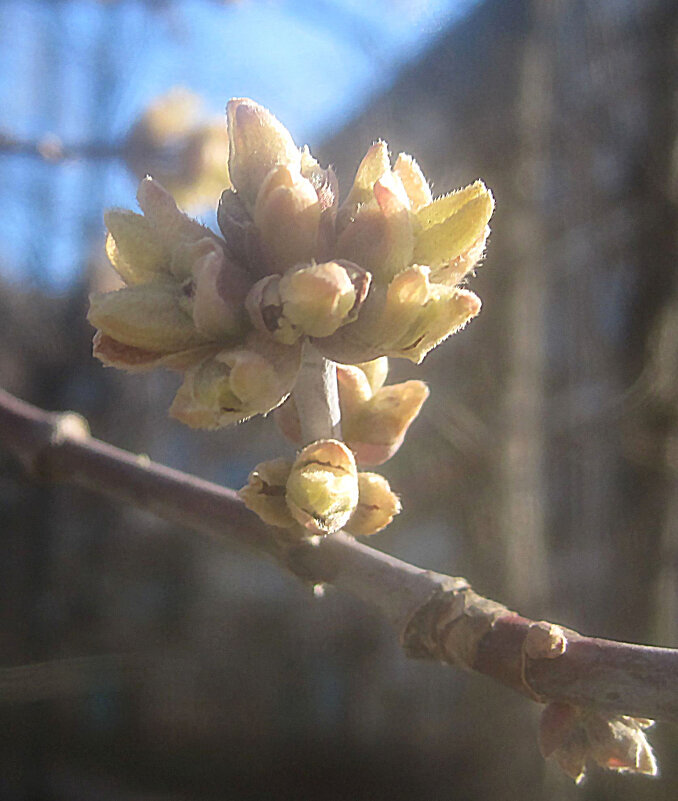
437,616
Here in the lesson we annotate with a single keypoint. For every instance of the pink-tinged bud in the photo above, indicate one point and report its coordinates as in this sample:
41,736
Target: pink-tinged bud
322,488
377,428
452,225
287,215
620,744
149,316
136,360
380,237
414,182
374,165
264,493
237,384
354,390
311,300
219,288
258,143
574,736
377,506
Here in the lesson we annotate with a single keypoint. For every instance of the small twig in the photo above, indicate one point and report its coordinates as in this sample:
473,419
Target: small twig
51,148
316,397
438,617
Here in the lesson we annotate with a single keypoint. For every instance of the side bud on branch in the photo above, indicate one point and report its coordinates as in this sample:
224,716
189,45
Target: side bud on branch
574,737
322,489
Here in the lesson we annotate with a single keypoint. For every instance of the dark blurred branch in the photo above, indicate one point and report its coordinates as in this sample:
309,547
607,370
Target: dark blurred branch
51,148
438,616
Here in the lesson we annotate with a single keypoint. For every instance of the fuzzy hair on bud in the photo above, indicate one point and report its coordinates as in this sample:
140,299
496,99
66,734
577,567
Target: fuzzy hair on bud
322,488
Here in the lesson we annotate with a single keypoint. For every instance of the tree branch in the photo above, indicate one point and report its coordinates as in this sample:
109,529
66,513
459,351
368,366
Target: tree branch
437,616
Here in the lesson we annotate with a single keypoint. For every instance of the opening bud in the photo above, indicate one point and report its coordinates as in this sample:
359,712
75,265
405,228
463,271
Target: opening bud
264,493
236,384
454,228
377,506
313,300
322,488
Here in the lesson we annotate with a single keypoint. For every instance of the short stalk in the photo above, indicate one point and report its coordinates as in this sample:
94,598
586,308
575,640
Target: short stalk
316,397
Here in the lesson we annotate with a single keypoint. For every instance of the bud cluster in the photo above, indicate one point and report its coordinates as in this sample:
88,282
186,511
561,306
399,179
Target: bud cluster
372,277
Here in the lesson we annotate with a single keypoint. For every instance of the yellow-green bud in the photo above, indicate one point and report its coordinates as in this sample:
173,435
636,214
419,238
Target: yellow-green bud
322,488
149,316
134,248
453,224
236,384
312,300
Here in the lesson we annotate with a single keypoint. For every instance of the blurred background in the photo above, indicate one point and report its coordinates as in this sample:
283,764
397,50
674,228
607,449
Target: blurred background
143,662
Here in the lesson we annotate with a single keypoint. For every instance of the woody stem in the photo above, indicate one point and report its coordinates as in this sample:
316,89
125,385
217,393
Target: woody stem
316,397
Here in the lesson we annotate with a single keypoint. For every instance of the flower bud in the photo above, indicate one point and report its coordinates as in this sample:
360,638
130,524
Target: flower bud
133,359
376,429
376,371
287,214
419,315
133,247
236,384
374,165
413,180
380,237
322,489
172,226
258,143
312,300
219,288
320,298
405,320
264,493
149,316
377,506
453,225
